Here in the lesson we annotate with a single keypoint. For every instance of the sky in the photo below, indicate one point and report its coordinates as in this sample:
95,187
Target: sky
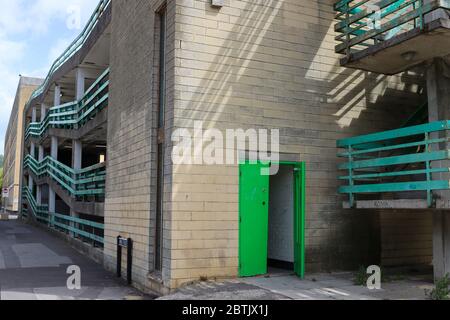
33,33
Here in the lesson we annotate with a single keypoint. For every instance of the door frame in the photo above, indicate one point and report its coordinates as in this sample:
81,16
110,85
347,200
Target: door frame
299,213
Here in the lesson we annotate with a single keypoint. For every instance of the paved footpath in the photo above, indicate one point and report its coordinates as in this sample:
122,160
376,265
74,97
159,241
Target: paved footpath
33,265
285,286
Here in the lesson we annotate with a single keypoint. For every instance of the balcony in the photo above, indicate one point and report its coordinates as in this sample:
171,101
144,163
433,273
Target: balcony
77,183
405,168
73,48
391,36
74,115
89,231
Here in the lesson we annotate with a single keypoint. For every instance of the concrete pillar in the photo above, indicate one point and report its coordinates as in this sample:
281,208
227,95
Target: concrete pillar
43,111
51,200
438,88
33,150
30,183
38,195
33,114
51,192
80,78
77,154
57,98
41,153
30,179
54,148
39,188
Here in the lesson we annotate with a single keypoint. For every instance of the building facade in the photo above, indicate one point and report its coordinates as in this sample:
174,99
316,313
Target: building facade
143,76
13,143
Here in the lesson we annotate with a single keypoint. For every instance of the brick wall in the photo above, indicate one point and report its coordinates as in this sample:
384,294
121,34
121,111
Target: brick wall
13,142
130,193
251,64
271,64
406,238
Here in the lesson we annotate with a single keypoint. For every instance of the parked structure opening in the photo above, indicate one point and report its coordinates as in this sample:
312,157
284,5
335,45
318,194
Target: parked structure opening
280,251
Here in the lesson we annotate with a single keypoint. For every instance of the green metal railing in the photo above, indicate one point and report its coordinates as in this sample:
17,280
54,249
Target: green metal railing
82,228
398,160
40,211
78,183
363,23
74,46
74,115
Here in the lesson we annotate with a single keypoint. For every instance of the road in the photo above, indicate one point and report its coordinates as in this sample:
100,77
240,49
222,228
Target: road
33,266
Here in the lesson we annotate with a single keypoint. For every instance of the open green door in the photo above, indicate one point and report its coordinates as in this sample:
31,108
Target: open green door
254,220
299,218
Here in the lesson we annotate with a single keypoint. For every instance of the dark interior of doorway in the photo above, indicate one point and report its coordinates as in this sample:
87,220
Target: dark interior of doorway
281,256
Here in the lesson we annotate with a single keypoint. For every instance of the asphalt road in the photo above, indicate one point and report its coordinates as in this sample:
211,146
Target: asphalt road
34,263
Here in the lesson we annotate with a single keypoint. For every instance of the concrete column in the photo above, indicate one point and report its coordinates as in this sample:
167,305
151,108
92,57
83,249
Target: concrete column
38,195
43,111
438,88
39,188
33,149
33,114
51,200
30,179
30,183
57,98
51,192
54,148
77,154
80,83
41,153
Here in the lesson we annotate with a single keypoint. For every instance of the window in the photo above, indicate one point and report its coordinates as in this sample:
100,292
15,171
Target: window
160,142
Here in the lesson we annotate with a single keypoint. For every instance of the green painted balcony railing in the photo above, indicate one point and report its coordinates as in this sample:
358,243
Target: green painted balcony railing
78,183
362,23
39,211
73,47
74,115
82,228
400,160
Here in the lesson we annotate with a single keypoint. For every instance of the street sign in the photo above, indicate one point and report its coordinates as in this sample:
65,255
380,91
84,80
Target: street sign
5,193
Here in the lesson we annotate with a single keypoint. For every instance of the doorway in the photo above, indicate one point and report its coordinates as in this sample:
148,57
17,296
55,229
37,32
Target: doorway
271,219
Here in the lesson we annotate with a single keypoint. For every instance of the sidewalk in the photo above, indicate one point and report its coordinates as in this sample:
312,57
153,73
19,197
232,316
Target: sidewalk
33,266
286,286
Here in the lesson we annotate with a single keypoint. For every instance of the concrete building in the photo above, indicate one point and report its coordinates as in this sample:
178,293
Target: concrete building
144,75
13,143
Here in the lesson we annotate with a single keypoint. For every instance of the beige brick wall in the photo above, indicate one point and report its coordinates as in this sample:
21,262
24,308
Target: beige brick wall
251,64
271,64
406,238
131,185
13,143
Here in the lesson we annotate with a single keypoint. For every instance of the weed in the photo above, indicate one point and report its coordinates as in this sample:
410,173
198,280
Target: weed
441,290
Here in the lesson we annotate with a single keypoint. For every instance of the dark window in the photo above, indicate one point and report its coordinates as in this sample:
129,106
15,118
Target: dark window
161,149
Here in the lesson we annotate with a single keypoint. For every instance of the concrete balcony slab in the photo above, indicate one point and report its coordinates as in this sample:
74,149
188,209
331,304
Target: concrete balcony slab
388,57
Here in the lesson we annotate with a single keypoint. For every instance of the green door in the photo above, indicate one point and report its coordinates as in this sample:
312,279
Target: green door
254,220
299,218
